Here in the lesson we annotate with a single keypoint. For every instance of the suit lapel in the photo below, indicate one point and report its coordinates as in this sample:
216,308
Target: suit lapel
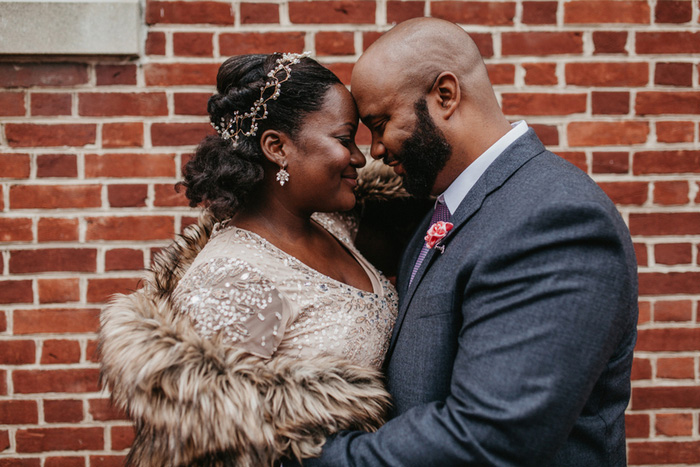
523,149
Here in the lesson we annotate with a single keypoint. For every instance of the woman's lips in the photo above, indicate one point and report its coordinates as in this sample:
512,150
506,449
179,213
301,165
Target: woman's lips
351,180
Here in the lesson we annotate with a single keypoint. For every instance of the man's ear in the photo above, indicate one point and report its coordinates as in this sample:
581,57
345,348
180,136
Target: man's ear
446,93
273,143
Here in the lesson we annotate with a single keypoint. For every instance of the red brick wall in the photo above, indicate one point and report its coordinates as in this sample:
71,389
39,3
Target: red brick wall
90,149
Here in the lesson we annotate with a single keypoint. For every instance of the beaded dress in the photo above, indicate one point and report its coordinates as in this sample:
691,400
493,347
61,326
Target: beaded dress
266,301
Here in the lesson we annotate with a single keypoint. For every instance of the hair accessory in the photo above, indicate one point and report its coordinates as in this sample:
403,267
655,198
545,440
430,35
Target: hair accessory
282,176
232,128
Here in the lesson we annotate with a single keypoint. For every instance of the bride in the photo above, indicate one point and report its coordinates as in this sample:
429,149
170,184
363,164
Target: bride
257,336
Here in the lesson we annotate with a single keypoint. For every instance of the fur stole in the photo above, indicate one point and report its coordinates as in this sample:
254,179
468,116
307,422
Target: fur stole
195,401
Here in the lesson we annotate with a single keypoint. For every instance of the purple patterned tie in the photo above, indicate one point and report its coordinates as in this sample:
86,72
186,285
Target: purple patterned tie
441,213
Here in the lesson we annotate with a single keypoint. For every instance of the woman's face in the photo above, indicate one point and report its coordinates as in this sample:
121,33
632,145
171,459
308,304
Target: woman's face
323,158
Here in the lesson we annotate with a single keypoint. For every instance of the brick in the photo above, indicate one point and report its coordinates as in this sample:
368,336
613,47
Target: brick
666,223
60,351
602,11
17,352
543,104
658,103
663,452
193,44
610,103
59,439
56,321
165,195
541,43
123,259
61,381
611,162
3,384
50,229
64,461
667,42
609,42
484,42
673,11
20,462
674,74
637,425
259,13
53,259
58,290
139,228
103,410
63,411
640,250
13,75
607,133
369,37
334,12
576,158
467,12
101,290
181,74
122,437
335,43
255,42
641,369
675,132
124,165
501,73
122,103
18,412
548,134
55,196
653,283
342,70
92,351
540,73
626,193
111,75
14,166
155,43
3,324
191,103
607,74
16,292
12,104
673,310
675,368
107,461
677,397
673,253
671,192
34,135
397,12
665,162
539,12
122,134
180,134
189,12
16,229
121,196
5,441
56,165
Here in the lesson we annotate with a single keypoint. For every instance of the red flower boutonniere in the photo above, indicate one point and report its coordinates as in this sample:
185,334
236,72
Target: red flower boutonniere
437,232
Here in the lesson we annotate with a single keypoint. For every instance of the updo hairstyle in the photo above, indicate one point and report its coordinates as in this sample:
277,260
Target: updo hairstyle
222,175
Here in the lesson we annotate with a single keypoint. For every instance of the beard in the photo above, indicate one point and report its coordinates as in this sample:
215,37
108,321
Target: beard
424,154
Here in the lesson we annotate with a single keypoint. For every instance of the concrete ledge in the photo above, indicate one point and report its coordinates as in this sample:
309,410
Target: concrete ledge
70,27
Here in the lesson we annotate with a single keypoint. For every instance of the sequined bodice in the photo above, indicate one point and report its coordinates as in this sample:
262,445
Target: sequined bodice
265,301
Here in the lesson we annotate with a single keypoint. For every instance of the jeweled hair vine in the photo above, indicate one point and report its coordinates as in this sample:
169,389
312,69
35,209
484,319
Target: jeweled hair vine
234,126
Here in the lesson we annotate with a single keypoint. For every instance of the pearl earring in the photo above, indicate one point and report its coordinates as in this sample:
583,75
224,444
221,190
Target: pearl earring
282,176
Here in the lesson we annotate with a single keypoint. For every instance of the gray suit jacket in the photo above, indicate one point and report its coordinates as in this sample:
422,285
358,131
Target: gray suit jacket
514,345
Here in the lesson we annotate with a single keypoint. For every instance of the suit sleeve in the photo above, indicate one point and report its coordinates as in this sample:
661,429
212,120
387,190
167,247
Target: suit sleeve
543,310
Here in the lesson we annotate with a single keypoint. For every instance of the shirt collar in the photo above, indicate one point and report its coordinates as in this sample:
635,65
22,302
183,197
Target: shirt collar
459,188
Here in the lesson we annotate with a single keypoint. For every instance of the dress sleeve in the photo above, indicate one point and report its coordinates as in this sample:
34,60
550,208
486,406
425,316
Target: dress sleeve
231,298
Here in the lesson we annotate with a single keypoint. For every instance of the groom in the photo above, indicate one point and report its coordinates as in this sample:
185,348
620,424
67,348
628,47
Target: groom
514,338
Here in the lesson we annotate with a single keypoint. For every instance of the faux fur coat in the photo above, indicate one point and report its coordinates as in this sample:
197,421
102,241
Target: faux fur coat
196,401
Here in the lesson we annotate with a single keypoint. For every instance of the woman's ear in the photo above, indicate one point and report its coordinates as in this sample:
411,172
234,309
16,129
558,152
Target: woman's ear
273,143
446,93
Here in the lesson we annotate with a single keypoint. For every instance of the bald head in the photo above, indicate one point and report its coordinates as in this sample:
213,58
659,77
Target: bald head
415,52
